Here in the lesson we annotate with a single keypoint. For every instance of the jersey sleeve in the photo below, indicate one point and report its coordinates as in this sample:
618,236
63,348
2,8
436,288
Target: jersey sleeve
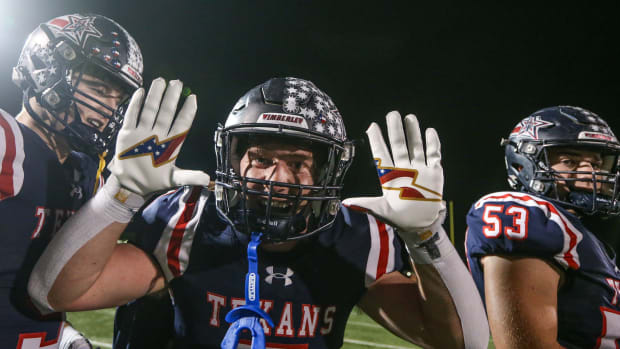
166,227
12,156
369,244
520,224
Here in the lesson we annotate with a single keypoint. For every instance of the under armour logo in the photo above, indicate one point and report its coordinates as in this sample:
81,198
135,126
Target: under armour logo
286,276
76,192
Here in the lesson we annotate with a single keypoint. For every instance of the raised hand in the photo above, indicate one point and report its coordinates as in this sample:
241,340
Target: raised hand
151,138
412,181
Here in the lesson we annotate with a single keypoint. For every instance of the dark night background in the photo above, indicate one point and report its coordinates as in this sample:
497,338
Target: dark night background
469,70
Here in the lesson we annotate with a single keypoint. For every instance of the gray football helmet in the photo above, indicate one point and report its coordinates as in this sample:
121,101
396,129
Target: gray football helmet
292,111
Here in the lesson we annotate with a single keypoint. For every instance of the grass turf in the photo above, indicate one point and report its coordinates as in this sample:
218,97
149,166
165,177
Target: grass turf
361,332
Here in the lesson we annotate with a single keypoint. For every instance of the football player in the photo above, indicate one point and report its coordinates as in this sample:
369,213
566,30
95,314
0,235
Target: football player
281,160
547,278
75,72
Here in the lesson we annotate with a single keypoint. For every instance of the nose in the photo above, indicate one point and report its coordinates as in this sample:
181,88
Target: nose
586,166
282,173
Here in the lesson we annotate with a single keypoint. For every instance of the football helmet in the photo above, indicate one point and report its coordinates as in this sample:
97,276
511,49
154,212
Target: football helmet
53,61
529,169
287,111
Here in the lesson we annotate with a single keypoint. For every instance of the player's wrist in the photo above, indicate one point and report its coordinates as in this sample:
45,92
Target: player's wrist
117,202
427,245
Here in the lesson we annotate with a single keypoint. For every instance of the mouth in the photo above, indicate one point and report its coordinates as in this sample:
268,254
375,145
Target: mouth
96,123
277,206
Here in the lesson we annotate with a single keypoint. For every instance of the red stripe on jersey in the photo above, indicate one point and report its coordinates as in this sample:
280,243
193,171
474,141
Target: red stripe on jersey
384,249
6,174
51,343
176,238
568,257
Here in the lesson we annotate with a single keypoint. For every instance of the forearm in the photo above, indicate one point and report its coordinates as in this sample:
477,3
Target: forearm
78,253
442,326
85,267
448,294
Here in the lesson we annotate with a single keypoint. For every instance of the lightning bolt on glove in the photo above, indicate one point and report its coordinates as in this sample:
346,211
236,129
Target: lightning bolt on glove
147,146
412,181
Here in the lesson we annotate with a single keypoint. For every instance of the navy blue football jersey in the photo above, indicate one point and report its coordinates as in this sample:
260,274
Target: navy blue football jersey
308,292
37,194
521,224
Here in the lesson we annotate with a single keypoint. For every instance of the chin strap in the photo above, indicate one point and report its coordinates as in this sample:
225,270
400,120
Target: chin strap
248,316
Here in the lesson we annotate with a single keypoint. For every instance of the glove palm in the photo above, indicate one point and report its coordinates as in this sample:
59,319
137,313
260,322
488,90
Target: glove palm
148,145
412,183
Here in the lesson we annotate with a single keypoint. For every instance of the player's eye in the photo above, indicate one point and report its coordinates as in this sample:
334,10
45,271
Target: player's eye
261,162
99,90
296,165
569,163
596,165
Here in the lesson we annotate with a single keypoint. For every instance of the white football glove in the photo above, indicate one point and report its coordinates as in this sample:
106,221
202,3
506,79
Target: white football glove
412,183
147,146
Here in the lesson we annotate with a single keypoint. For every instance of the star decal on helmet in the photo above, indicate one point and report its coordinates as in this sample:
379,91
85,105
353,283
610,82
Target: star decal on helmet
528,127
78,28
391,179
160,152
302,97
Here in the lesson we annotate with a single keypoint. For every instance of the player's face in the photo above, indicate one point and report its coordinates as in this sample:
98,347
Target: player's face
582,161
106,92
278,162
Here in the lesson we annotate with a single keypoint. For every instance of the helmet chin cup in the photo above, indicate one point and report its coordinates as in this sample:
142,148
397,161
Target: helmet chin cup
587,203
273,228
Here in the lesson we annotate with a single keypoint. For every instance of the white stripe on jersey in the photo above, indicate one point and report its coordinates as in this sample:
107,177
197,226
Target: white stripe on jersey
161,250
381,254
11,140
572,236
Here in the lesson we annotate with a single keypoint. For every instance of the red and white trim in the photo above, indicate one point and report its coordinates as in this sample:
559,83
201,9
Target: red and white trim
568,257
173,249
37,340
11,156
381,255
